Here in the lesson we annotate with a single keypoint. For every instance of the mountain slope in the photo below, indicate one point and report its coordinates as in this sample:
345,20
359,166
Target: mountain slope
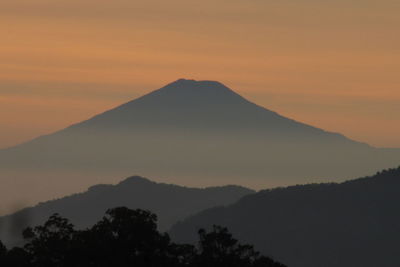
170,202
189,132
355,223
193,106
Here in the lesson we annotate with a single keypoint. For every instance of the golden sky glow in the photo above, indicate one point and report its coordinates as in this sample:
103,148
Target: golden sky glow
332,64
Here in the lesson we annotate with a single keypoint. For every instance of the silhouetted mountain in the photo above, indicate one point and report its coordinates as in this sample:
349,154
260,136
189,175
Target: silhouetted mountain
188,132
170,202
355,223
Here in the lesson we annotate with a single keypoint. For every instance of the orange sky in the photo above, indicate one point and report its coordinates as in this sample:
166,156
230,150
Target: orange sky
333,65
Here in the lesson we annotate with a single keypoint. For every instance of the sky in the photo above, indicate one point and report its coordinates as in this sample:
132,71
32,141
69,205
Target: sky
331,64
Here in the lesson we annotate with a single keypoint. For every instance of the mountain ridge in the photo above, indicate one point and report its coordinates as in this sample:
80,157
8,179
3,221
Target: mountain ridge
354,223
177,88
170,202
195,133
182,93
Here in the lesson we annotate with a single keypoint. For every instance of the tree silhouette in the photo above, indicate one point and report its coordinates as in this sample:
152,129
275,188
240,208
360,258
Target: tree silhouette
50,244
125,237
218,248
17,257
3,253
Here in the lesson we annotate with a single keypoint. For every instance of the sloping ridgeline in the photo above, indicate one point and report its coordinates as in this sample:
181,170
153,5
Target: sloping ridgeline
197,133
355,223
170,202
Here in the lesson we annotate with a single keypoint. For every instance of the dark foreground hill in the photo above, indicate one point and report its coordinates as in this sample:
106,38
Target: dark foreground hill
354,224
126,238
195,133
170,202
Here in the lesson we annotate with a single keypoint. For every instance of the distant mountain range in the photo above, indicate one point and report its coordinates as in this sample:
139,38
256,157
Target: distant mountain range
170,202
194,133
355,223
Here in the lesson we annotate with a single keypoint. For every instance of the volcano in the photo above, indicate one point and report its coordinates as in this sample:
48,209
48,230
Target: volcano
194,133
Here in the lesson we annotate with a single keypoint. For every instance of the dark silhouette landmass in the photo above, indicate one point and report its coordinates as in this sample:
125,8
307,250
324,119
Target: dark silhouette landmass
189,132
125,237
170,202
355,223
